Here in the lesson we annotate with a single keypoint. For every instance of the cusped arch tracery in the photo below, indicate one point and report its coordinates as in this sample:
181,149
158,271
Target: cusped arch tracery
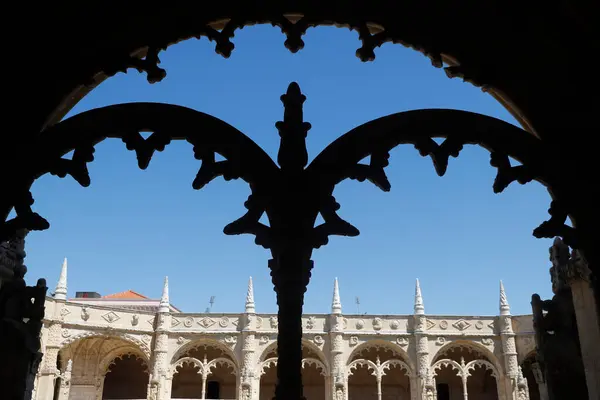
226,351
481,351
398,352
309,361
370,365
204,367
394,363
471,365
313,352
446,362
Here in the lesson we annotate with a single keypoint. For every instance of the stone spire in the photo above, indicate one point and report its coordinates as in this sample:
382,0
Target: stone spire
164,306
504,307
250,308
61,287
419,307
336,304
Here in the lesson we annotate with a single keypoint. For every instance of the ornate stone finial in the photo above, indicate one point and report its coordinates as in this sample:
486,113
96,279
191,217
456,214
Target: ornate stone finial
419,306
293,130
504,307
164,306
61,287
559,252
250,307
12,252
336,304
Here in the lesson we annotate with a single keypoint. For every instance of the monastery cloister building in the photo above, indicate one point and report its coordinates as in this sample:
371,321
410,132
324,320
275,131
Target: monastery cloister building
127,346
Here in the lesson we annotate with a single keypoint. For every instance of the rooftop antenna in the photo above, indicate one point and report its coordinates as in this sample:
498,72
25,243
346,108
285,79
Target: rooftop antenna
357,301
211,302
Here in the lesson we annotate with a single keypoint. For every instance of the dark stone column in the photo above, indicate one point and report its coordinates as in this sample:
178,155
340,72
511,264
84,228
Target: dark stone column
290,273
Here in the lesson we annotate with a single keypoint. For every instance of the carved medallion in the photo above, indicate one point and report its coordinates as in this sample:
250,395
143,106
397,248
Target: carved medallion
85,315
479,325
377,324
395,324
230,340
111,317
402,341
444,324
461,324
206,322
65,333
318,340
259,322
360,324
135,320
223,322
353,340
264,339
274,322
188,322
487,341
181,340
440,341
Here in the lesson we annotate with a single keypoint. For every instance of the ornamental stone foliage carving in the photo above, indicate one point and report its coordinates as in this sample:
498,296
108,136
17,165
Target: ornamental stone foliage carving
312,321
487,341
135,320
274,322
440,341
395,324
353,340
206,322
230,340
402,341
110,317
85,315
461,324
181,340
264,339
360,324
377,324
318,340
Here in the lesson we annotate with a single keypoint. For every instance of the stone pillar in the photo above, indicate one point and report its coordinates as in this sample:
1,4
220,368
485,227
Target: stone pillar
509,347
48,371
65,382
338,382
246,374
157,387
419,389
540,381
578,278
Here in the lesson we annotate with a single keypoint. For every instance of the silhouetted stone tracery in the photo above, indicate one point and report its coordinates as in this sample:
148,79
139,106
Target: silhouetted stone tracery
293,194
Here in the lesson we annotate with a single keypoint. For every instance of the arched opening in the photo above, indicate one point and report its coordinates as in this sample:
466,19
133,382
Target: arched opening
127,378
106,367
204,370
462,366
377,371
530,368
314,373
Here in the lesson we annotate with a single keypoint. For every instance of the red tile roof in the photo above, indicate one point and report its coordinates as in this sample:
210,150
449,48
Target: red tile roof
128,294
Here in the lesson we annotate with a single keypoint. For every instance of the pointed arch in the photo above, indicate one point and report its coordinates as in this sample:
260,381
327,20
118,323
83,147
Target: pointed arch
399,353
469,344
205,342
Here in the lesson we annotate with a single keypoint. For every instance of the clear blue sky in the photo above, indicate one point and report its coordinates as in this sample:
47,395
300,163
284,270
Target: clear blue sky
130,228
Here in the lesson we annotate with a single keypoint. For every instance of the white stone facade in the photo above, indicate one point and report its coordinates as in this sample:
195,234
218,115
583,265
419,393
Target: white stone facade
347,357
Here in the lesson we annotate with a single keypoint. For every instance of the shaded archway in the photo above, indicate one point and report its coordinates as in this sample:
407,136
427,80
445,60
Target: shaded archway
315,372
530,367
378,370
204,370
464,367
95,356
127,378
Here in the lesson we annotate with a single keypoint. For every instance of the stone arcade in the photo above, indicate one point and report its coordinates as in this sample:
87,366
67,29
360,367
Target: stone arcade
126,346
534,59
